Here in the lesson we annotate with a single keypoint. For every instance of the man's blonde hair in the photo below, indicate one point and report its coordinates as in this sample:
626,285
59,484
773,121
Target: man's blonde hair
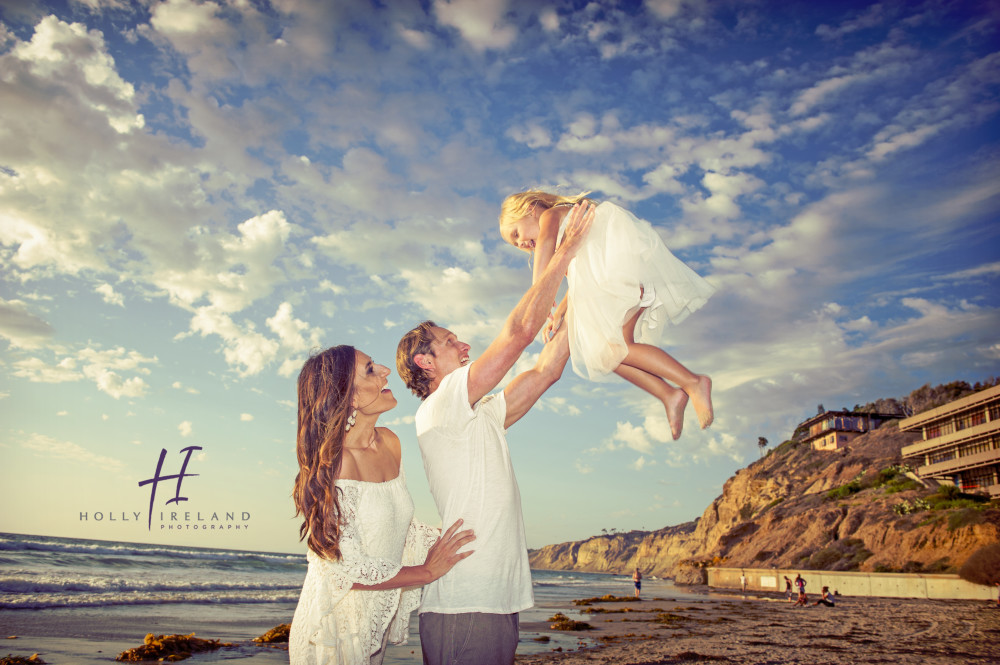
417,341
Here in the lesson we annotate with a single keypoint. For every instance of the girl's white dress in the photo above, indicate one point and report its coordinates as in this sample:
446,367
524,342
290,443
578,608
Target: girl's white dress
622,255
334,625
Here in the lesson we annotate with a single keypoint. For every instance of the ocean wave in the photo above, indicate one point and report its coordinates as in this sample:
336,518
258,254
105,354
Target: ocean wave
107,552
106,600
28,583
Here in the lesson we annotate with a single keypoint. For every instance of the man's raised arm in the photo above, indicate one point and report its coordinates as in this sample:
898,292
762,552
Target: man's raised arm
530,313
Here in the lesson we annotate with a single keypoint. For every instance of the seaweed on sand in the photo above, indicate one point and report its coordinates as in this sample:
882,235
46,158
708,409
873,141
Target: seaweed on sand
169,648
608,598
277,634
33,659
562,622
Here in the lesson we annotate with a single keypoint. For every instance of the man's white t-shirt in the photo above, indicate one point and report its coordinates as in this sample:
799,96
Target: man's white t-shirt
471,478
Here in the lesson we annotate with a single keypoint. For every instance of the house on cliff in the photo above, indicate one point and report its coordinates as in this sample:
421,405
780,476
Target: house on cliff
961,442
832,430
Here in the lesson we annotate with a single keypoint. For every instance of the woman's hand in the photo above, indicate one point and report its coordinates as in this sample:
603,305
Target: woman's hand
444,553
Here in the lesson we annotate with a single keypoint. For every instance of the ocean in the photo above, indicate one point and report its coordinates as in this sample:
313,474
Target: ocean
72,577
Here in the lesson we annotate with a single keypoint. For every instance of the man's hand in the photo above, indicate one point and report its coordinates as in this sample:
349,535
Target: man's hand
581,217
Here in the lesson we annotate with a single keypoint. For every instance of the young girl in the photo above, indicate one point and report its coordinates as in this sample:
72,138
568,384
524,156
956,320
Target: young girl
624,287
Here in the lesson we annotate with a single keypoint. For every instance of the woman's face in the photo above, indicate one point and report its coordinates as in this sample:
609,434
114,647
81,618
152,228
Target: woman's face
371,390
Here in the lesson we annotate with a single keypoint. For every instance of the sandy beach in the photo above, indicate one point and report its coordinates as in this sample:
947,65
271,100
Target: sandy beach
768,629
758,628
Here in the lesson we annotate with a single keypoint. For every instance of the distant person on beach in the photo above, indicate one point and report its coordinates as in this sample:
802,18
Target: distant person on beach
470,616
743,582
825,598
788,588
364,546
637,582
623,290
801,584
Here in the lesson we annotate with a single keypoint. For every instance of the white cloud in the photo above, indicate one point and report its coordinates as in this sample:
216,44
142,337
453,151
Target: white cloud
549,20
245,350
532,134
415,38
102,366
69,451
107,292
480,22
664,9
22,328
559,405
234,270
38,371
99,365
873,16
70,48
633,437
185,428
246,417
294,335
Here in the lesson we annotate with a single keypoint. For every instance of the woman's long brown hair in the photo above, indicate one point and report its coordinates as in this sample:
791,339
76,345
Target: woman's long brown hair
326,387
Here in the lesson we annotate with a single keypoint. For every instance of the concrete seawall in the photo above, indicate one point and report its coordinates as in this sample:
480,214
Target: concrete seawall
885,585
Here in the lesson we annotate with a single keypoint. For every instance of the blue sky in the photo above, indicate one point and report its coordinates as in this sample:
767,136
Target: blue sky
193,195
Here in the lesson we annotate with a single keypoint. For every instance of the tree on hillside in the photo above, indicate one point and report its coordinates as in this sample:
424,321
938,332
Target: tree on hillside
983,566
762,444
882,405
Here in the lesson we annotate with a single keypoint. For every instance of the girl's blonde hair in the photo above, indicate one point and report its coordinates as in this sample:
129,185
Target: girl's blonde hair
519,205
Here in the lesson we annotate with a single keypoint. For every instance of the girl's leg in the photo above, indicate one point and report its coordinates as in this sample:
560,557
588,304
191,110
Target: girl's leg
656,361
674,400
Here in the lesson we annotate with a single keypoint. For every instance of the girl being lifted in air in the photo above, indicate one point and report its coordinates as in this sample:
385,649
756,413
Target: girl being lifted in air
623,288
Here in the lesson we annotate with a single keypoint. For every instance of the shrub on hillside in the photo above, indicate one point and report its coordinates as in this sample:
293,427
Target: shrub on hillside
965,517
983,566
844,554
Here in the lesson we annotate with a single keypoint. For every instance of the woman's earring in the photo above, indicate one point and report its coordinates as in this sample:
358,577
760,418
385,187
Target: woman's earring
350,420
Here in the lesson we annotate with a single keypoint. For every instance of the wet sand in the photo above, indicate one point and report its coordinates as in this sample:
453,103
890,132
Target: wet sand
758,629
763,629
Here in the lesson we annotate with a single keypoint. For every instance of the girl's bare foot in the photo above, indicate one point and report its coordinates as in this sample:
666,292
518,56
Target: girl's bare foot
675,404
701,398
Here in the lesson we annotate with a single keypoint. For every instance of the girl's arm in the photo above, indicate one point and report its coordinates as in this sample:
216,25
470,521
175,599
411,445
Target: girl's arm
545,244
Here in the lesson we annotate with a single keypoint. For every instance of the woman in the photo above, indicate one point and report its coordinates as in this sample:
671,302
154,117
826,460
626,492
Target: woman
364,546
825,598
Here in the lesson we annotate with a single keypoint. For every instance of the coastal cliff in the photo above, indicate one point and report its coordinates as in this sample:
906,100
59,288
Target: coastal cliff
855,508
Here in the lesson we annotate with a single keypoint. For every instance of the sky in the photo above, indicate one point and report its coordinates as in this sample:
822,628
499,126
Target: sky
194,196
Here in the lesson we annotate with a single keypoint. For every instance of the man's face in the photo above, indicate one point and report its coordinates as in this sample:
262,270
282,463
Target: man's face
449,353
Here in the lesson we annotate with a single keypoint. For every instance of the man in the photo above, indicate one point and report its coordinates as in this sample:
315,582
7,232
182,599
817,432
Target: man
469,616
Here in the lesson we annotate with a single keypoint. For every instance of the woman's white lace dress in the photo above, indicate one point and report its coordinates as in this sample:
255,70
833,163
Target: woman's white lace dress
621,256
334,625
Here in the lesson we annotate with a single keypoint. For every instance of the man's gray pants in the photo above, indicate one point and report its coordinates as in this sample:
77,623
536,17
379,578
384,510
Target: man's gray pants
472,638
